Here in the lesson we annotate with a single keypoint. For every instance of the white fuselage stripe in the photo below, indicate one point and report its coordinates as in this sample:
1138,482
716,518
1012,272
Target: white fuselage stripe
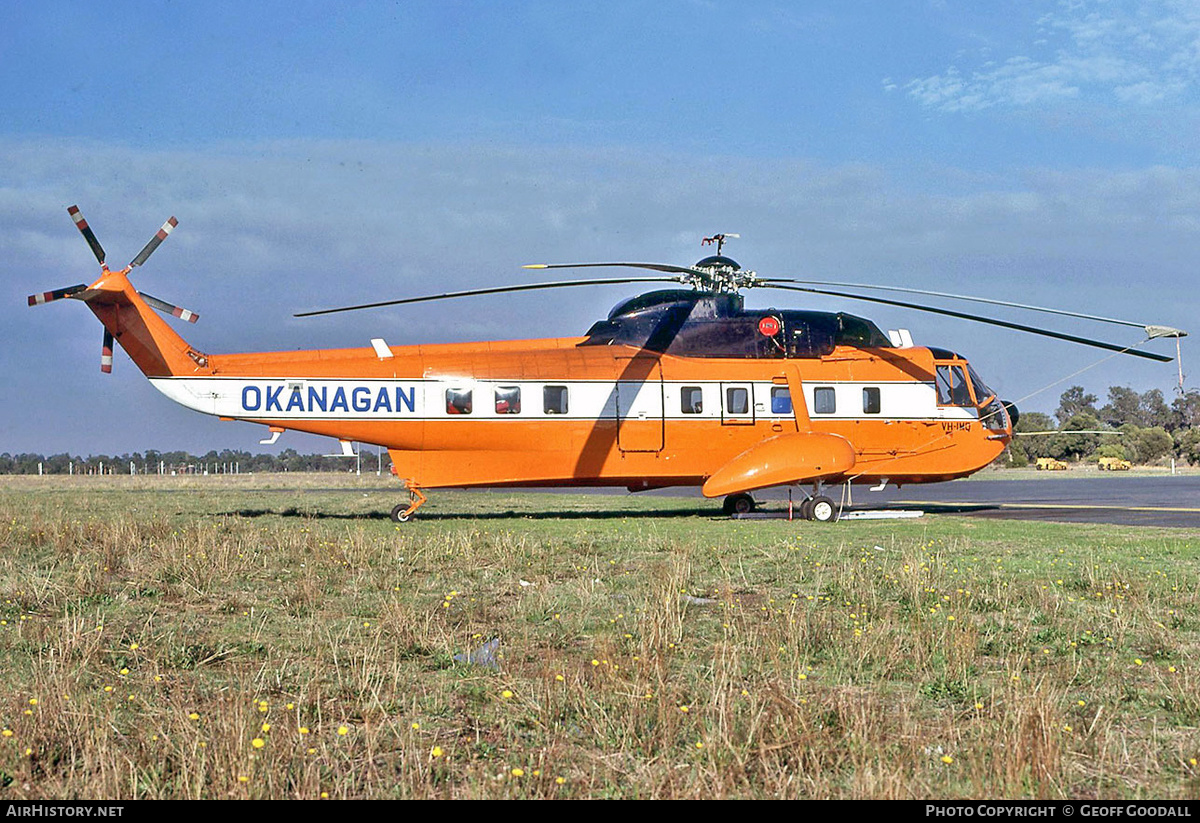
424,399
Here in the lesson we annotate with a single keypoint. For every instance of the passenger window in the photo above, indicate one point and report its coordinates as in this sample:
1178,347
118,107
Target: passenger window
508,400
691,400
554,399
824,400
737,401
871,400
458,401
781,400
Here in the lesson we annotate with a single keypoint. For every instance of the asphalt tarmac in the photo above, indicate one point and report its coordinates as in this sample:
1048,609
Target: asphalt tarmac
1108,498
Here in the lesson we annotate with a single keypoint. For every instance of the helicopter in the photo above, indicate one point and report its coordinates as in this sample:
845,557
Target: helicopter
677,386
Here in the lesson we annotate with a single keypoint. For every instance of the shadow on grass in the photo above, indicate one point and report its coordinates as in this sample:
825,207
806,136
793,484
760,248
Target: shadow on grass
511,514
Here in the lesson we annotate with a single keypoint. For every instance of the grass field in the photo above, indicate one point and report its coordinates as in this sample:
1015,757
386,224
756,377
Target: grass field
279,637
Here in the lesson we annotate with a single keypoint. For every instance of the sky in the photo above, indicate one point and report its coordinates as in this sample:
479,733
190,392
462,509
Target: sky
324,154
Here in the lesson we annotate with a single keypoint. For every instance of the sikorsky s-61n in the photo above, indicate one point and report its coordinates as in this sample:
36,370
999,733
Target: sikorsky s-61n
680,386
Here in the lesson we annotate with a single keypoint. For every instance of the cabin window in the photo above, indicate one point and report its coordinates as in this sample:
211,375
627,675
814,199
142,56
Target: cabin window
554,399
952,388
508,400
458,401
781,400
691,400
737,400
871,400
824,400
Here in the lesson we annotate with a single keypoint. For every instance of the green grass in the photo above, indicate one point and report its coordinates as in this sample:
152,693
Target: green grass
649,648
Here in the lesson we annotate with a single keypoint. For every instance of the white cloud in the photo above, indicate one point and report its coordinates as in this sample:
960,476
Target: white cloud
1141,53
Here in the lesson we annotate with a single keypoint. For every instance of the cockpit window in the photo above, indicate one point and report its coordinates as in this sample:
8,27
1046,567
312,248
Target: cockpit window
952,387
982,392
697,324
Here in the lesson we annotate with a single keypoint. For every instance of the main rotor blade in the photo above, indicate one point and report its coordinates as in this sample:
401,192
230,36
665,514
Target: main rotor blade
496,290
155,242
164,306
1084,341
86,231
57,294
968,298
667,267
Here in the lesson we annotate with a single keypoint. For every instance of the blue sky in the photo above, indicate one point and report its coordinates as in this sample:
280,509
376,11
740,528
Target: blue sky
324,154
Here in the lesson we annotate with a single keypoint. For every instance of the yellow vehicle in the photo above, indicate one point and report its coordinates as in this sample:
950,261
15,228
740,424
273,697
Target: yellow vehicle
1049,464
1114,464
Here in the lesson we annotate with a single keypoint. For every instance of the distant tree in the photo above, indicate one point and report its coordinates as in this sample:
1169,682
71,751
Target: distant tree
1154,410
1025,449
1124,406
1187,445
1186,410
1066,446
1146,445
1075,401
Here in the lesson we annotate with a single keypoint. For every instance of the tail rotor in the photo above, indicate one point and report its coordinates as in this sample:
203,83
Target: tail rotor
88,293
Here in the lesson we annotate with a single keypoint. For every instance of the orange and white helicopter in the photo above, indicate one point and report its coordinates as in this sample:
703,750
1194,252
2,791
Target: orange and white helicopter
679,386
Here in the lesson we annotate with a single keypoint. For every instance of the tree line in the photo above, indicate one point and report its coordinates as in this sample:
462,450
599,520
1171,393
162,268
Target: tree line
227,461
1144,428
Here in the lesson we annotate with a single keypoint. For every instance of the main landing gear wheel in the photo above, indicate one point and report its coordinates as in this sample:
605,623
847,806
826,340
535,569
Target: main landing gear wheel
822,509
403,513
738,504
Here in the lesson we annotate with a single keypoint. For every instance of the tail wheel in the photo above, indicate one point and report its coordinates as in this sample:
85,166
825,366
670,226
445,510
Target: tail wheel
823,509
400,513
738,504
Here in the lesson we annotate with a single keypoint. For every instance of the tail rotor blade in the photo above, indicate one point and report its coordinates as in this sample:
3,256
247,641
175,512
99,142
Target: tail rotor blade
155,242
86,231
168,308
57,294
106,353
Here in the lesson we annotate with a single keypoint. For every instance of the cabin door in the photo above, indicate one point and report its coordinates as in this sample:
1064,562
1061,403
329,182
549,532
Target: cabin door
640,406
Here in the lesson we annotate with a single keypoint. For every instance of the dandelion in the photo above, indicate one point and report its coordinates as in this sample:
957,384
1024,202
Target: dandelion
266,727
342,731
559,678
947,759
437,751
193,716
416,726
303,730
506,694
7,733
258,742
243,779
518,772
562,780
